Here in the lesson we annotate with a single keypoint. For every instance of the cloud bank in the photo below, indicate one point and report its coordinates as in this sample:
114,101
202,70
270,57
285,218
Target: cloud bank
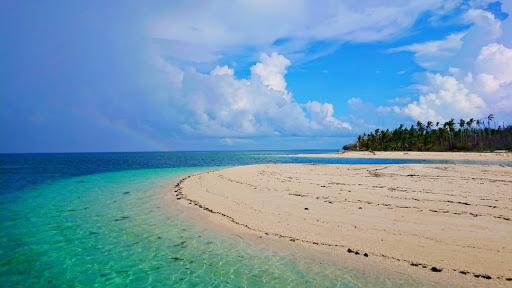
218,104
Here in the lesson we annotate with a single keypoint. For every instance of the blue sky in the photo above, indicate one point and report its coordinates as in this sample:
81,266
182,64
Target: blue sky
221,75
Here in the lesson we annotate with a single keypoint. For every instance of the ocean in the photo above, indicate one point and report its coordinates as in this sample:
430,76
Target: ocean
98,220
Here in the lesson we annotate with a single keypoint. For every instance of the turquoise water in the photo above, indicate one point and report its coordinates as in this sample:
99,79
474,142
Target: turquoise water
100,221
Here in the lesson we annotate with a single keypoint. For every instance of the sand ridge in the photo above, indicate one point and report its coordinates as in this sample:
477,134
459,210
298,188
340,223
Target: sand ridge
436,217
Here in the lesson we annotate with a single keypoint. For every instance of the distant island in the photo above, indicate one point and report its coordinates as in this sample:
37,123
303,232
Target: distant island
464,135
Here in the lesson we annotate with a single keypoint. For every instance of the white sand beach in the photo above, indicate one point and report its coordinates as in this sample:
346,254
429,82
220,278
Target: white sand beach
453,220
483,156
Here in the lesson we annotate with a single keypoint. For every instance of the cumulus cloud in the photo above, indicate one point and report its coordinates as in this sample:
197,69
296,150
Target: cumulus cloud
493,68
270,71
218,104
474,80
322,117
496,60
445,98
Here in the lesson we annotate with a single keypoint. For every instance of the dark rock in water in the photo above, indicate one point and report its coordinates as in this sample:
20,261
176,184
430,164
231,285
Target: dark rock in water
80,181
93,233
365,254
122,218
103,275
126,192
177,259
181,244
435,269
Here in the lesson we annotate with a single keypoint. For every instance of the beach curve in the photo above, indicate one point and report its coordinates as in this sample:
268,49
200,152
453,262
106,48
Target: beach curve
434,217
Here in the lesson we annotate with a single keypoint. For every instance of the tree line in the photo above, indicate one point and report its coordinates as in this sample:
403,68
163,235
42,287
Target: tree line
464,135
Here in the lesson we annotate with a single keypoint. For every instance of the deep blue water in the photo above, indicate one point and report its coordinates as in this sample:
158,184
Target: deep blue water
18,171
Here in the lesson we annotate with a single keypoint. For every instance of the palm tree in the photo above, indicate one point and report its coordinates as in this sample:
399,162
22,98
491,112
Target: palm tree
489,119
429,125
469,125
462,123
451,127
421,127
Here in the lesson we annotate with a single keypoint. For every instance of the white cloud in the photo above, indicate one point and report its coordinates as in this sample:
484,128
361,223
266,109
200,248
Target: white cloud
447,98
399,100
457,49
222,70
322,116
383,109
354,101
485,26
220,105
219,27
270,71
479,68
431,53
448,45
493,68
496,60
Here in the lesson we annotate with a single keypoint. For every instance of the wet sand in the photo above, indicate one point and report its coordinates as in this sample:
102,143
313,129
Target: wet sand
449,220
488,156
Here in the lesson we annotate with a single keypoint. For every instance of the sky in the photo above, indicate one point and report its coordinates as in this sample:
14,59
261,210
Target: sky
79,76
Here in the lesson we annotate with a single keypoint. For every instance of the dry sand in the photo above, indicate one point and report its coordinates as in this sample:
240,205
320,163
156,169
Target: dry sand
488,156
450,219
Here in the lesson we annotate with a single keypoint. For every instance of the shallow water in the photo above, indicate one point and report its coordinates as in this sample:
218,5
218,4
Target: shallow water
63,226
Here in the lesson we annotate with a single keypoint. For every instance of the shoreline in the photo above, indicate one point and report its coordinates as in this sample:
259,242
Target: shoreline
416,155
241,217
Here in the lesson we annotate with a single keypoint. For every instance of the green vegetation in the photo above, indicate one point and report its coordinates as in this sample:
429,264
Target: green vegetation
464,135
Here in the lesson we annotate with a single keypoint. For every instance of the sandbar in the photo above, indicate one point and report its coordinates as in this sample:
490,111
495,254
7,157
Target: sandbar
448,218
474,156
